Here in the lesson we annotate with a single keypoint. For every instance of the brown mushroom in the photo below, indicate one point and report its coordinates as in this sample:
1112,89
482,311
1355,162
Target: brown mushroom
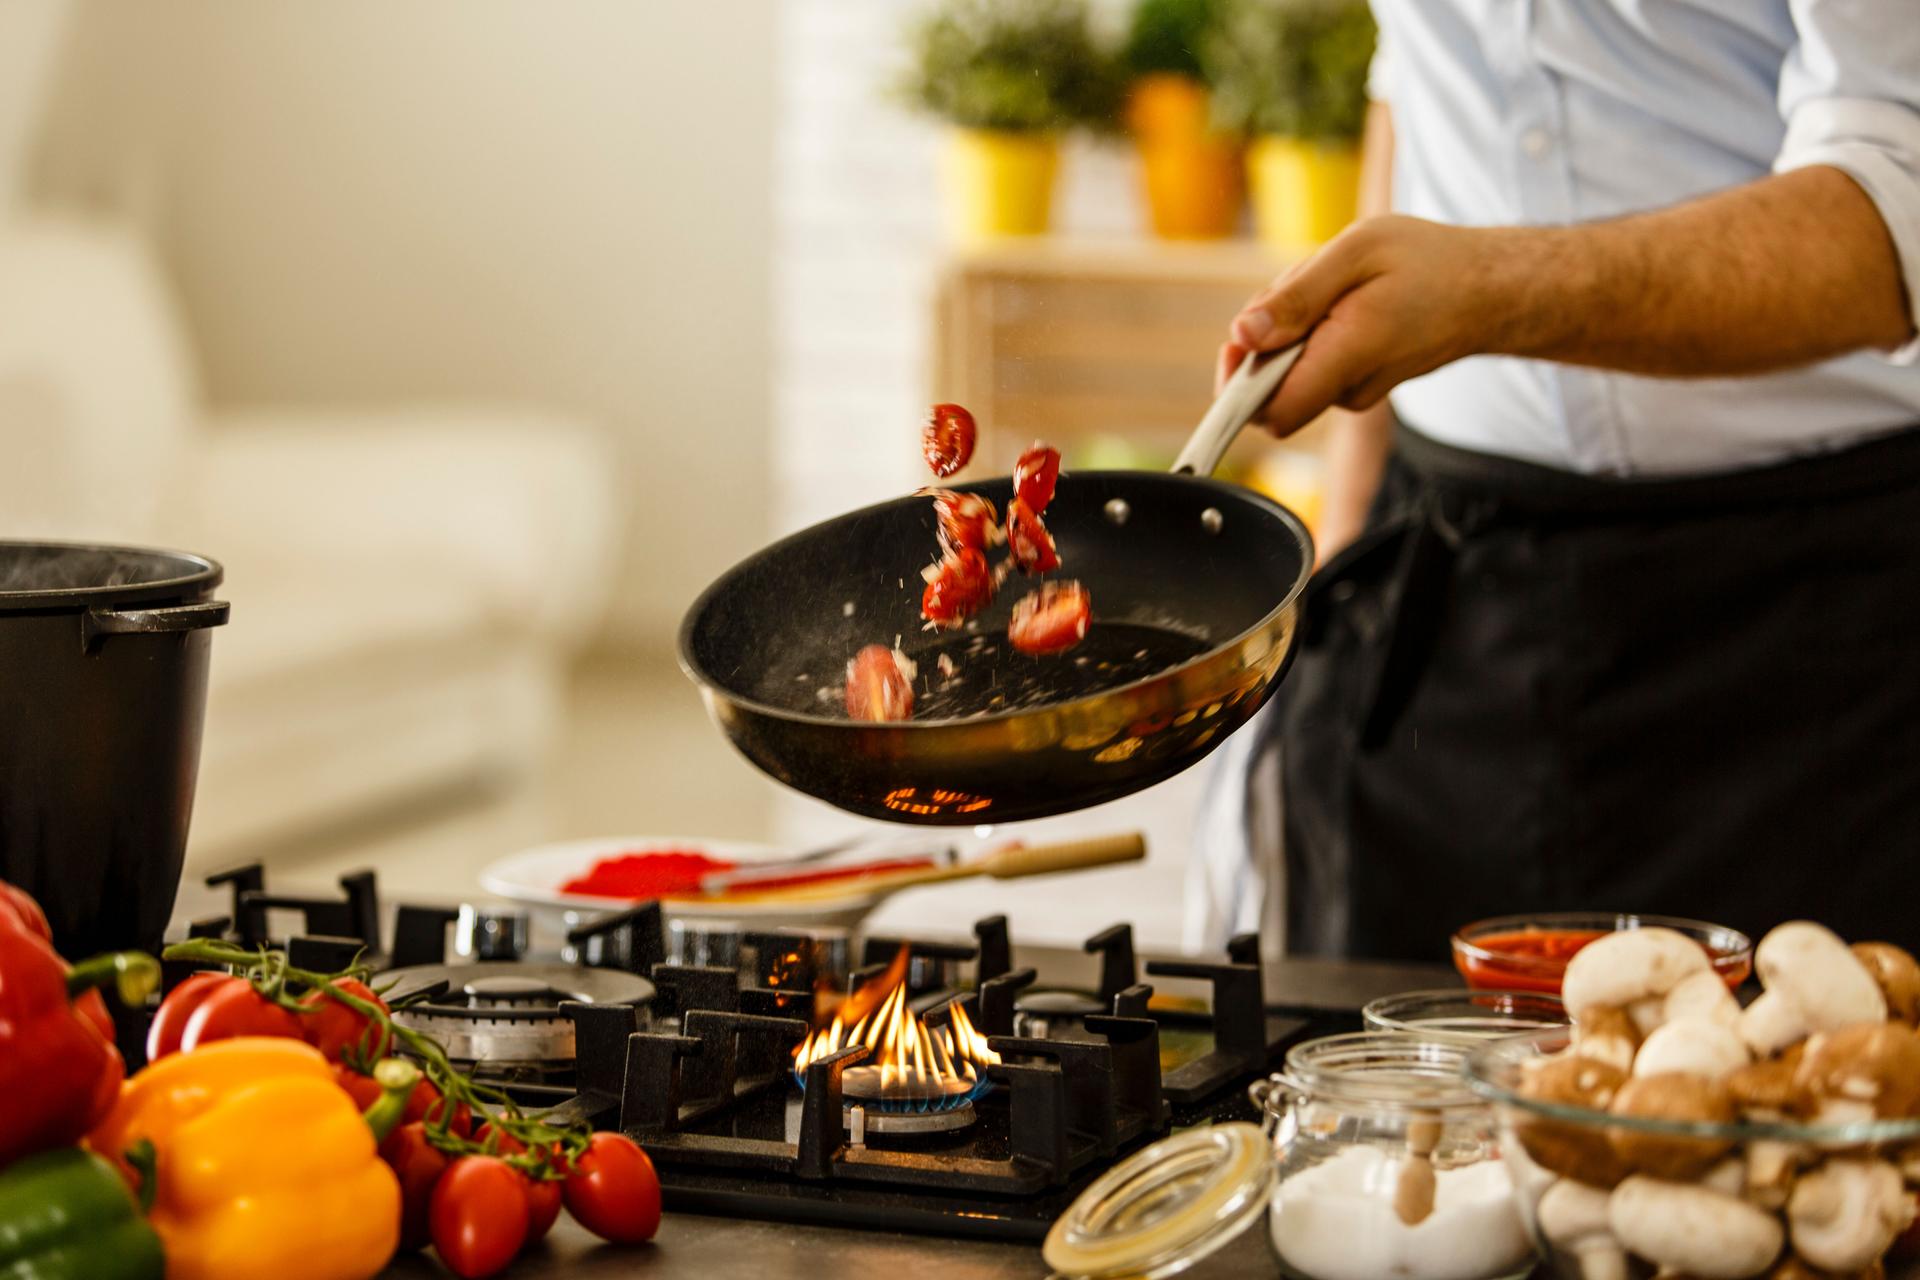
1673,1096
1606,1033
1898,974
1861,1073
1794,1267
1766,1092
1847,1213
1580,1152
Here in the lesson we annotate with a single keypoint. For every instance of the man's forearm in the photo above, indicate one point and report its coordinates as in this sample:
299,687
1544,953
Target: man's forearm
1784,271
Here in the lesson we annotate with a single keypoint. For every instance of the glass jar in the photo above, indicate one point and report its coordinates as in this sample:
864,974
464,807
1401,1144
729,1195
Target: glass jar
1387,1164
1469,1015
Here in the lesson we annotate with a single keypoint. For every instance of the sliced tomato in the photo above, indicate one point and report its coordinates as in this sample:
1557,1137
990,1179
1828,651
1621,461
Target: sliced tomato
961,586
1035,475
877,687
947,439
1028,539
966,520
1052,619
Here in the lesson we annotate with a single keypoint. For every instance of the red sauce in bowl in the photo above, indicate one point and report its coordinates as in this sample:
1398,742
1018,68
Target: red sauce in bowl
1534,957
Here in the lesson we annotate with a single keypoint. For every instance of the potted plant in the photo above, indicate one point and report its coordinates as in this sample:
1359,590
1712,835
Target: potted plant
1192,170
1010,76
1292,74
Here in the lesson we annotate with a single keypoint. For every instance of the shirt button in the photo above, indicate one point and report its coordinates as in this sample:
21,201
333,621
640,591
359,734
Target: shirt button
1535,142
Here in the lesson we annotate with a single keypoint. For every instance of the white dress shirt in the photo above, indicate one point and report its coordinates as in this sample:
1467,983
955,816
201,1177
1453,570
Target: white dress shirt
1559,111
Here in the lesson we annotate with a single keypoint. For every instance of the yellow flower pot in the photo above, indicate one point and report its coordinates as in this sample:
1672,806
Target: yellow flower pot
1000,183
1303,192
1193,175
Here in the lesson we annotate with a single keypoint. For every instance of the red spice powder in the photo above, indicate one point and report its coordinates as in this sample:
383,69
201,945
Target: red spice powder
658,873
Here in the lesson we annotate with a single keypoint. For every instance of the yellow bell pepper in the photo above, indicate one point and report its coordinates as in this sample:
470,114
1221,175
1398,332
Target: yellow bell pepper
263,1164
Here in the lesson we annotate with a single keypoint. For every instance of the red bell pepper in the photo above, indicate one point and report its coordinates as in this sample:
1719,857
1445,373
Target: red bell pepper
59,1071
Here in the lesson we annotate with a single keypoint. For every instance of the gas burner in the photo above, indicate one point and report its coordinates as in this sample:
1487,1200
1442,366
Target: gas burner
879,1117
507,1013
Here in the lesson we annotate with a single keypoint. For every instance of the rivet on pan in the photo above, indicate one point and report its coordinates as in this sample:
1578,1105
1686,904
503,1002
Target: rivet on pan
1211,520
1118,510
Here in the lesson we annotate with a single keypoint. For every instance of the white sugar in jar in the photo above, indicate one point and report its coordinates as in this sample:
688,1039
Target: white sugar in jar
1387,1165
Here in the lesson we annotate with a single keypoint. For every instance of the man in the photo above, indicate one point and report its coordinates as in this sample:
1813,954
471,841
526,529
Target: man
1621,612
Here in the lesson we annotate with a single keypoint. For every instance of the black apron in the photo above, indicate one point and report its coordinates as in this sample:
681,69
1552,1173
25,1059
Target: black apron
1524,690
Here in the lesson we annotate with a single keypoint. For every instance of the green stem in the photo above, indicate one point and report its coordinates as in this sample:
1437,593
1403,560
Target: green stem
396,1078
145,1161
134,975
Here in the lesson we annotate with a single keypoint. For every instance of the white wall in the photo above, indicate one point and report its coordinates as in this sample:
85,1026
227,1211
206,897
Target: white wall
30,38
566,204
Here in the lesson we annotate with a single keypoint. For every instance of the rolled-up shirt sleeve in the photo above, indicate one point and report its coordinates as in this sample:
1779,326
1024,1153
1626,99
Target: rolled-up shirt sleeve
1850,95
1380,71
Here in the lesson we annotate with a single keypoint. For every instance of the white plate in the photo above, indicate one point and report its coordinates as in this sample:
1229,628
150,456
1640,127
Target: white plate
534,876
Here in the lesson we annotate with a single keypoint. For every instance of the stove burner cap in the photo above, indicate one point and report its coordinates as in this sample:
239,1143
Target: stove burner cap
904,1093
508,988
873,1118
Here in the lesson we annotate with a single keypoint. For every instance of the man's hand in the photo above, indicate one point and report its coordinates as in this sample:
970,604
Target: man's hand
1780,272
1387,299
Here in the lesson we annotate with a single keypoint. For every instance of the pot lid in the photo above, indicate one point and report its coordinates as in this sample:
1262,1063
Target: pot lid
52,575
1164,1208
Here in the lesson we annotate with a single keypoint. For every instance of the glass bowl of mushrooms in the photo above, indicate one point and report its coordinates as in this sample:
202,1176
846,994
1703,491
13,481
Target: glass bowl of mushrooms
1670,1131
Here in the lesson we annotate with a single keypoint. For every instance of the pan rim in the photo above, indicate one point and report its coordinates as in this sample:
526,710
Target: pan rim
1239,493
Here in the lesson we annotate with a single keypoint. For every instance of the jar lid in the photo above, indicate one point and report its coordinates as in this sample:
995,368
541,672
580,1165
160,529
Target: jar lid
1164,1208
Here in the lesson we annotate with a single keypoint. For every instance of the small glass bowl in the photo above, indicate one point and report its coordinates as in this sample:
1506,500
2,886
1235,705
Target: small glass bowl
1548,1146
1486,967
1468,1016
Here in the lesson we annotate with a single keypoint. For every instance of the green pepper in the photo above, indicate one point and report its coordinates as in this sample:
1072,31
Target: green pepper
67,1215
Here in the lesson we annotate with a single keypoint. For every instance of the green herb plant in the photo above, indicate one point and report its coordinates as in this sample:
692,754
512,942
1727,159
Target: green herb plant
1166,37
1019,65
1296,68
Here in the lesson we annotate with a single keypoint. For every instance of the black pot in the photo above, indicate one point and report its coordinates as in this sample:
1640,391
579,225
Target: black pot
103,688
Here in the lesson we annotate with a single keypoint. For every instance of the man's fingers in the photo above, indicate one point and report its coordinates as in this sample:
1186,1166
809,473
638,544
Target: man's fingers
1281,315
1334,362
1231,354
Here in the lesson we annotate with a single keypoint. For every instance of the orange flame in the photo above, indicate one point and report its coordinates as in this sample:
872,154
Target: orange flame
905,1049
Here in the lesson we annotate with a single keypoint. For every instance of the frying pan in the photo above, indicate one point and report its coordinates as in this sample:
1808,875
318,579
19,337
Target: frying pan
1196,588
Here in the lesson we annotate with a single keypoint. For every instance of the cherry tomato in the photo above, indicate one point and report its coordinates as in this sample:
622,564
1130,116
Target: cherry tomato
543,1194
362,1088
236,1009
170,1019
1028,539
961,586
333,1028
877,689
425,1104
947,439
966,520
418,1165
613,1191
477,1215
1035,474
1051,619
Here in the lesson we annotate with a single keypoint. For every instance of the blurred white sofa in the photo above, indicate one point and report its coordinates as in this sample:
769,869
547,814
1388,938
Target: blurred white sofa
408,582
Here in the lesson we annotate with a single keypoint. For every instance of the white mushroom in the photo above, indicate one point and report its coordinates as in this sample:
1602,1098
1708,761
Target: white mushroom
1606,1034
1573,1218
1631,969
1847,1213
1702,995
1694,1045
1813,983
1693,1229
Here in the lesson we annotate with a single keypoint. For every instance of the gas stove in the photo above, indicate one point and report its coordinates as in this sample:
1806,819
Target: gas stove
908,1084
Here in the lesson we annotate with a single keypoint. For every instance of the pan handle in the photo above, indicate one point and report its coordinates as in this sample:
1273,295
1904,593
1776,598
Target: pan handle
1071,855
1257,378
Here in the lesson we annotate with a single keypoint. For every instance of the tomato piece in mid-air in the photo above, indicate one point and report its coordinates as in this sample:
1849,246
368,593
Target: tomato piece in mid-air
880,684
1035,475
1051,619
960,586
966,520
1028,539
947,439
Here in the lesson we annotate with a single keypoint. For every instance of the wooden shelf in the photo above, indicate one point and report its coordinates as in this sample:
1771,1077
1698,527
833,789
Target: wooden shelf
1057,337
